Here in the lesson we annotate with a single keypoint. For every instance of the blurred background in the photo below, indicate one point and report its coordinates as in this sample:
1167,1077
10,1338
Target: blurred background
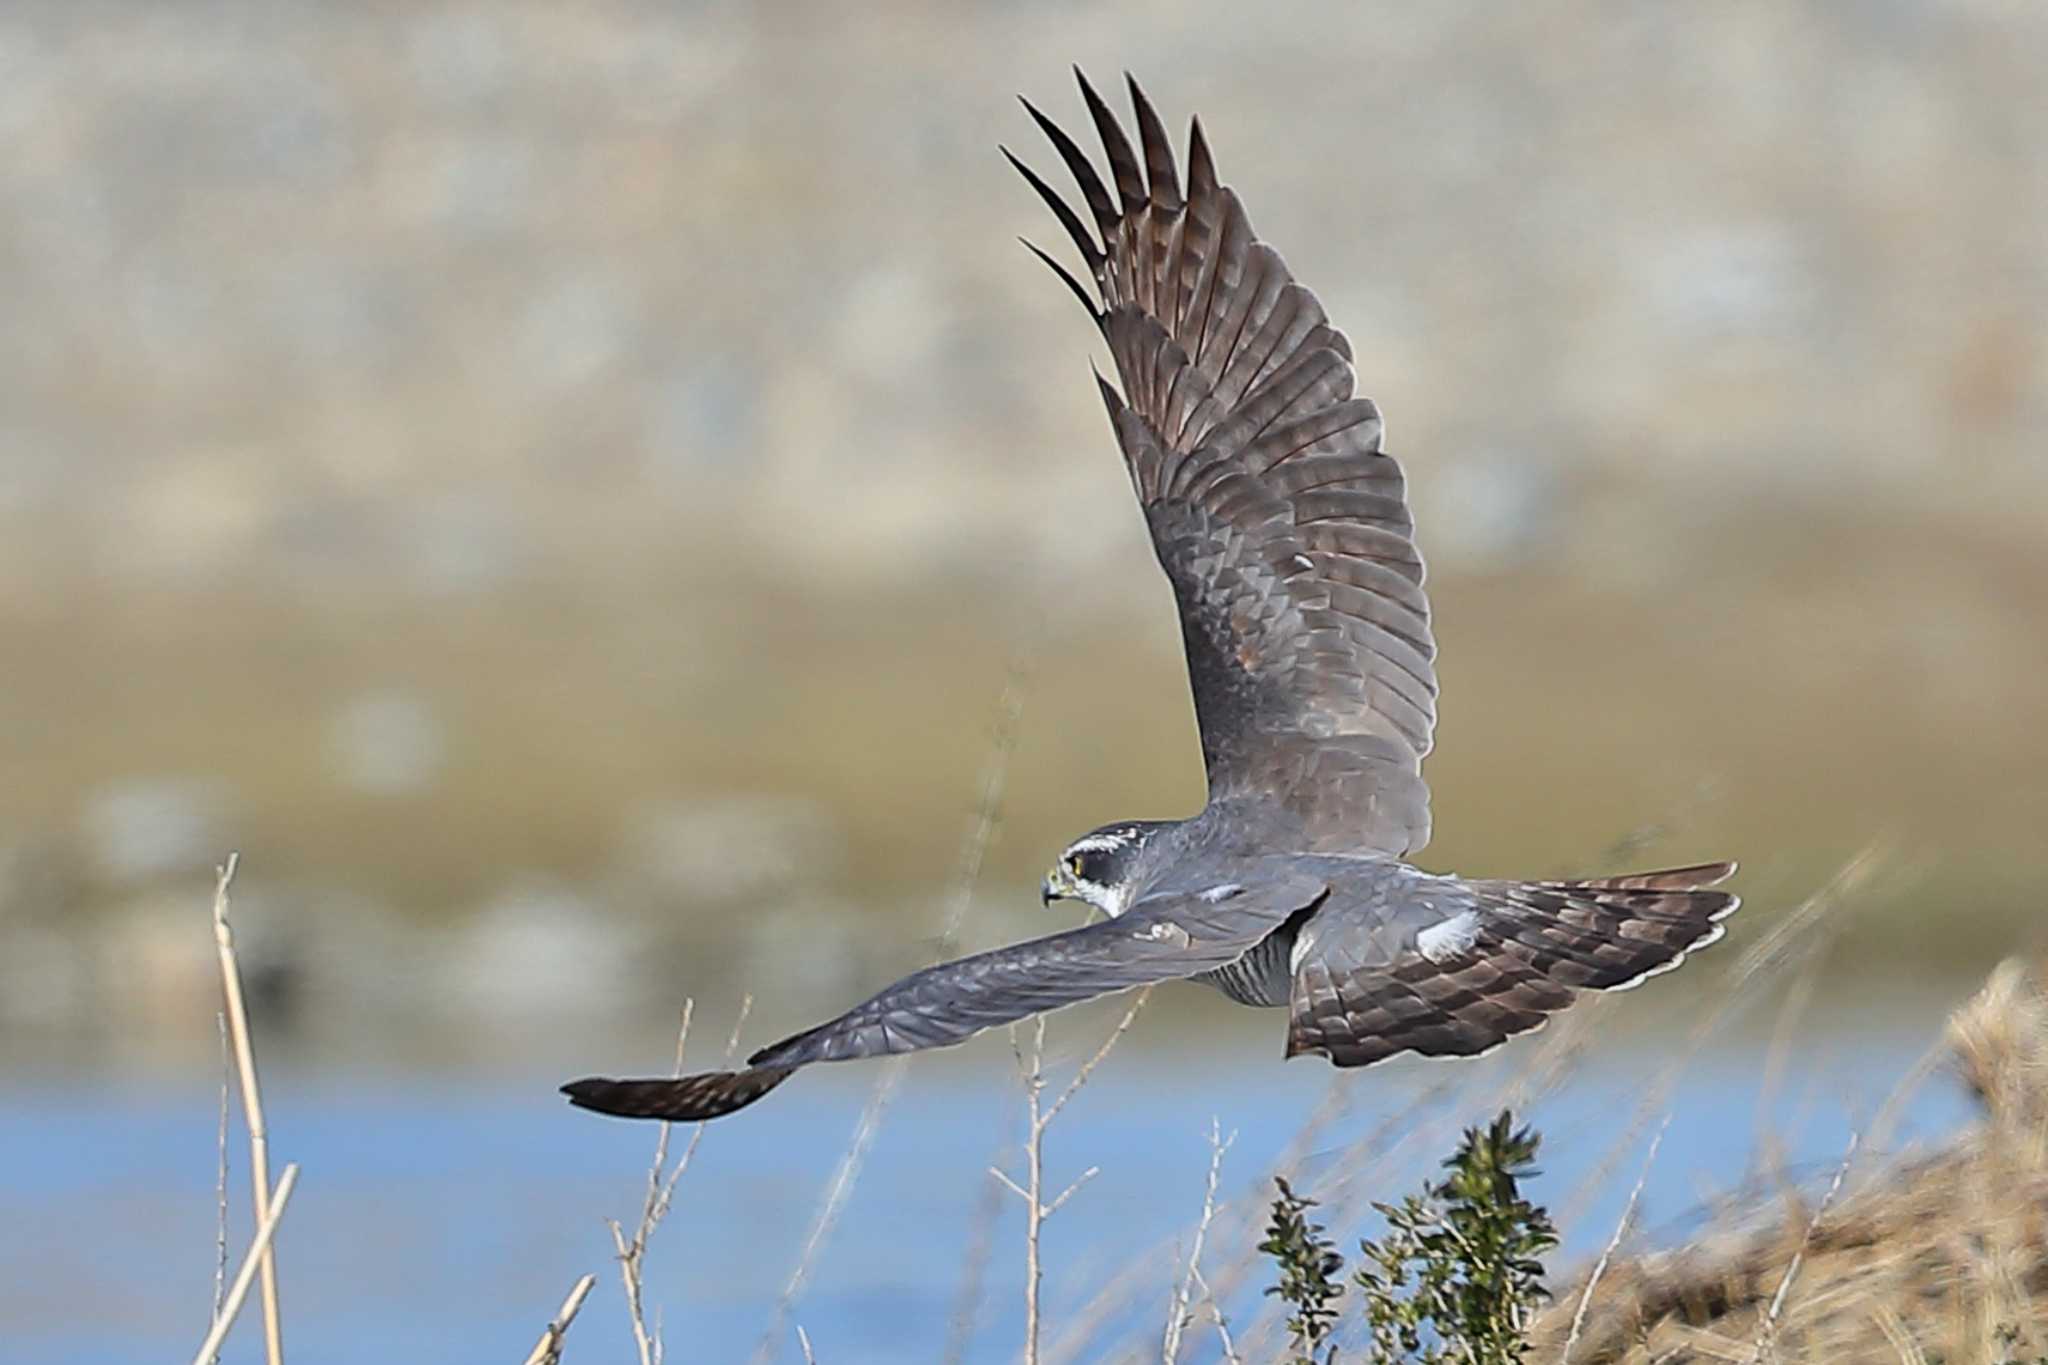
574,493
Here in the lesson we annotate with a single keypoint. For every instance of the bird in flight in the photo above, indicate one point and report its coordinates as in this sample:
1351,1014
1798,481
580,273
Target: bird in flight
1285,531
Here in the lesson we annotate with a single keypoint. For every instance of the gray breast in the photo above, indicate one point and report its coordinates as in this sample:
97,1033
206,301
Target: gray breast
1262,977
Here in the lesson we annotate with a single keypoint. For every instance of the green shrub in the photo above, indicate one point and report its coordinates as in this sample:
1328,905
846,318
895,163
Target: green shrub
1454,1280
1309,1266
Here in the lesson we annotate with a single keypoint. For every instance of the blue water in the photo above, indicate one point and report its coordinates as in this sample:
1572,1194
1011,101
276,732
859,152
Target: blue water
443,1219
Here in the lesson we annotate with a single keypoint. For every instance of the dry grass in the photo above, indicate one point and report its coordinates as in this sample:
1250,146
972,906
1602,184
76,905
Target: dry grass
269,1201
1940,1257
631,1253
548,1350
1039,1118
974,848
260,1257
1182,1315
257,1255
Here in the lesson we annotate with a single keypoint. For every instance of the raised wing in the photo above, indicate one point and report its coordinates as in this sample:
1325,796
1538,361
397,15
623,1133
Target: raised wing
1162,938
1282,525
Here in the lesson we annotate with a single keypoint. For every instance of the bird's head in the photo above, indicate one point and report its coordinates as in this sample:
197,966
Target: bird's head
1101,868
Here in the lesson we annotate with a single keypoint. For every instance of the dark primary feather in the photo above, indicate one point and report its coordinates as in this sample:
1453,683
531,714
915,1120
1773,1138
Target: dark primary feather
1166,937
688,1099
1282,525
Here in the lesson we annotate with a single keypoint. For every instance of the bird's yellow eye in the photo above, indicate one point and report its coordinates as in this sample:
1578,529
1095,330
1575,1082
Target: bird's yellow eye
1074,866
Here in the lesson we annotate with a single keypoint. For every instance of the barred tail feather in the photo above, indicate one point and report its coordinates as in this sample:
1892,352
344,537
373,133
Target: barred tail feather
1609,933
1509,955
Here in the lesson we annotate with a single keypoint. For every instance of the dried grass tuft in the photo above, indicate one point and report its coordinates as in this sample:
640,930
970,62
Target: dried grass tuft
1998,1044
1935,1257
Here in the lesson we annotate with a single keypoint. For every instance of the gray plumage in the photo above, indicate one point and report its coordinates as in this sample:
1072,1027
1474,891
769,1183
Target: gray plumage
1285,532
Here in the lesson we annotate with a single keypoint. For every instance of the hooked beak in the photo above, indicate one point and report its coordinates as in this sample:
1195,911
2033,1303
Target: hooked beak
1047,892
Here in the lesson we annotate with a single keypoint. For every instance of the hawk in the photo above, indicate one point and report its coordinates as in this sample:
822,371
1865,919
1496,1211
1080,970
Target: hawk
1285,532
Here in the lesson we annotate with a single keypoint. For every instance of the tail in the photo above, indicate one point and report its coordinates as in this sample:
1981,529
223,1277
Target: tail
1611,933
685,1099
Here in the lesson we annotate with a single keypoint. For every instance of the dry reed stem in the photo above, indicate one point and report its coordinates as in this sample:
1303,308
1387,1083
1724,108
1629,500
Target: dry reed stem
1179,1315
1039,1118
995,776
1628,1210
1790,939
259,1248
220,1185
973,1275
889,1075
1361,1180
548,1350
1566,1041
1766,1340
632,1255
837,1191
1240,1213
661,1188
1894,1106
252,1101
1784,1034
1245,1210
1901,1340
1216,1316
1251,1203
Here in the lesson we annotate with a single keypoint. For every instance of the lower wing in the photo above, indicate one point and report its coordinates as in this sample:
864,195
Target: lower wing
1160,939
